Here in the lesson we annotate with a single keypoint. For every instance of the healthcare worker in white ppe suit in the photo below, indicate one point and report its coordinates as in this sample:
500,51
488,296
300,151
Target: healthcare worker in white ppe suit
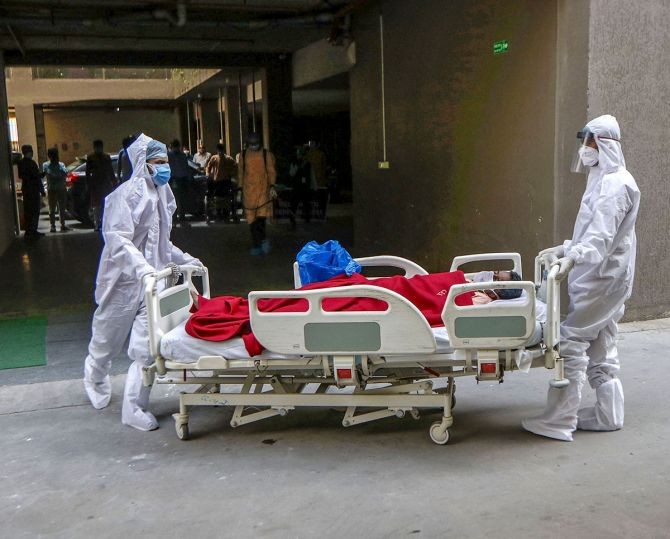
602,252
136,230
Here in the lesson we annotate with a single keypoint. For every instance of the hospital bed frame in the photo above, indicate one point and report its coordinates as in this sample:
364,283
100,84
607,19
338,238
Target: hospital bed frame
388,357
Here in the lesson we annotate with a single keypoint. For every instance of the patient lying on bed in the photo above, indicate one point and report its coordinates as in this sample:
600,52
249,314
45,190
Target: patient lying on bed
226,317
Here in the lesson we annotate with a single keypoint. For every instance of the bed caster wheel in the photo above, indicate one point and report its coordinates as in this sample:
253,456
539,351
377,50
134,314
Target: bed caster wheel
182,431
400,414
181,426
559,384
439,434
415,414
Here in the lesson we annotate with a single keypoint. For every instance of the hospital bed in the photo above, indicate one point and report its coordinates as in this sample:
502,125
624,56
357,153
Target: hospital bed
373,364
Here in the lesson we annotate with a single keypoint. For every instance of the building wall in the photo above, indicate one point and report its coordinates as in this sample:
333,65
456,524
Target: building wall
79,127
211,127
629,78
470,135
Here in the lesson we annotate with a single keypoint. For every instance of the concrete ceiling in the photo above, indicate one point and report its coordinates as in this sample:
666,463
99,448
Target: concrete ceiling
186,33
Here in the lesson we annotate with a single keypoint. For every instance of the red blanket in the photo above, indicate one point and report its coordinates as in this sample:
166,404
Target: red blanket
225,317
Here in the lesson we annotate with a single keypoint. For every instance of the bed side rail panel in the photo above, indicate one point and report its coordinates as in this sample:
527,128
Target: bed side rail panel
500,324
515,258
400,329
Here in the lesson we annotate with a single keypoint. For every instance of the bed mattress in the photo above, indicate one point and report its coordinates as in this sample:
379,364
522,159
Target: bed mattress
179,346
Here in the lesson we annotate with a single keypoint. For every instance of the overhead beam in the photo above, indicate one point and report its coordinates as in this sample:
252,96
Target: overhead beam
130,58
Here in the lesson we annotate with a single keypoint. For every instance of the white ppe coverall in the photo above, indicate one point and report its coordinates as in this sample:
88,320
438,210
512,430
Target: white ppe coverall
603,248
136,230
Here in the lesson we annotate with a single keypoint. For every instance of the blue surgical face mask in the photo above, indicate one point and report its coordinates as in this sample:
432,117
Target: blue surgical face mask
160,174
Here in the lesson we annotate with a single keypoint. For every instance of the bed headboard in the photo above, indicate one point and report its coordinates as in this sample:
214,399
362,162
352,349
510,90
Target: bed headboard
169,307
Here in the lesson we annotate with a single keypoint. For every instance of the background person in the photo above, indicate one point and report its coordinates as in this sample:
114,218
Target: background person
56,173
202,156
300,173
137,242
32,189
180,180
100,181
220,170
602,251
256,176
123,168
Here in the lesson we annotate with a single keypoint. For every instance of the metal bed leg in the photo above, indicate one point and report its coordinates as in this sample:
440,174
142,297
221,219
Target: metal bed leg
181,420
439,431
559,381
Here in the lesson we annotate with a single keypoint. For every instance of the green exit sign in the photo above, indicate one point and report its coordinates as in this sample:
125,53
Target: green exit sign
500,46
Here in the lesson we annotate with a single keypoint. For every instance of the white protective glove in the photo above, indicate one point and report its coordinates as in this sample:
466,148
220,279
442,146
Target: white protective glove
176,273
564,264
196,262
557,252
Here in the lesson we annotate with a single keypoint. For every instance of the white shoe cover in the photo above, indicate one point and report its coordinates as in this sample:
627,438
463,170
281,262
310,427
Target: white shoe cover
539,426
98,393
140,420
607,414
559,418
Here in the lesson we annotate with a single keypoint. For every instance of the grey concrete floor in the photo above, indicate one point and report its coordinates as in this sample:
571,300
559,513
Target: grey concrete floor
71,471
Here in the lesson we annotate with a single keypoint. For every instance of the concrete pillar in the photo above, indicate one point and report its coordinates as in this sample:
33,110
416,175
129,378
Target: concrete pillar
209,111
25,125
7,200
40,133
233,120
278,112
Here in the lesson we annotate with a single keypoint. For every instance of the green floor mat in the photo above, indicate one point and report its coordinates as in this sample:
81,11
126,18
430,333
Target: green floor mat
23,342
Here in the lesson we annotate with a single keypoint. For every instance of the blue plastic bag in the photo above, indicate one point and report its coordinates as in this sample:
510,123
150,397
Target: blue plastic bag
321,262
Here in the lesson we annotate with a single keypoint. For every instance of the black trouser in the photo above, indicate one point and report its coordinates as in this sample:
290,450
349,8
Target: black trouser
257,229
180,186
301,193
221,199
32,202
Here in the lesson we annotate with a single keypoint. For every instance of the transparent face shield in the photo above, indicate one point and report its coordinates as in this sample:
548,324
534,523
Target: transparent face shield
585,155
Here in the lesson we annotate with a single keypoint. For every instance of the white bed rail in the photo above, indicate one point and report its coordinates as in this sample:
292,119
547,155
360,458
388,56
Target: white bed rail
515,258
400,329
382,261
496,325
167,307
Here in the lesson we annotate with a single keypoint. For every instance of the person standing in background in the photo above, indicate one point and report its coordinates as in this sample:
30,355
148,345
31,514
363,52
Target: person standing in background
202,157
100,181
179,181
32,189
55,173
256,176
319,184
123,167
220,170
